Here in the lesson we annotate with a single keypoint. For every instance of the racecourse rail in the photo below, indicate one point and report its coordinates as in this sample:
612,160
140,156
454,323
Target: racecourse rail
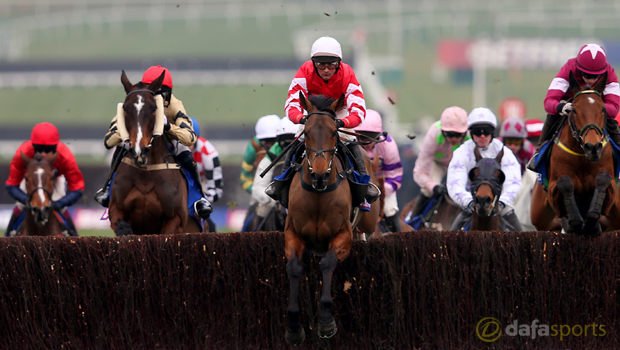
422,290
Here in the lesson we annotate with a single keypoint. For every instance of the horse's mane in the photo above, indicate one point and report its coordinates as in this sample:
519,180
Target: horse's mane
321,102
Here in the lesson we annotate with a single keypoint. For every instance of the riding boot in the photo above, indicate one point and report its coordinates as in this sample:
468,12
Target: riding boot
202,206
10,230
70,225
613,130
419,205
512,220
103,195
288,159
461,220
545,135
393,223
373,191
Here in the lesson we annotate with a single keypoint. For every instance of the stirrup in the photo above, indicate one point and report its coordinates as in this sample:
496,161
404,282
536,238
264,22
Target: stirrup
371,197
203,208
271,191
531,165
103,197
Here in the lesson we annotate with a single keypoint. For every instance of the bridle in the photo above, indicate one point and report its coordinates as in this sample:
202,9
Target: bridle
152,94
578,134
31,194
321,152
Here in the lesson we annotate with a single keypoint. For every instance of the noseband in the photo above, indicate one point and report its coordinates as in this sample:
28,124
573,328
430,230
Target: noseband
321,152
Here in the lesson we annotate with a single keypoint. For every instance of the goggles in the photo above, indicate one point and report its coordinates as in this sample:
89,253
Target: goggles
479,131
452,133
323,65
589,76
44,148
513,141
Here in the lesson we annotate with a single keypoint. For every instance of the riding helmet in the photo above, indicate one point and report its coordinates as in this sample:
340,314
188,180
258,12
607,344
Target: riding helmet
44,134
481,115
513,127
325,49
592,59
454,119
154,72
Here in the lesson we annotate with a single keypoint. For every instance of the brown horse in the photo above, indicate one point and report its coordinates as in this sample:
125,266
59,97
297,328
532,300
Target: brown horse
439,218
486,180
581,169
149,193
41,218
319,211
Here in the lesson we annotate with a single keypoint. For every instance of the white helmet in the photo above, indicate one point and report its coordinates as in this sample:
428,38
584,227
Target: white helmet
326,46
267,127
481,115
287,127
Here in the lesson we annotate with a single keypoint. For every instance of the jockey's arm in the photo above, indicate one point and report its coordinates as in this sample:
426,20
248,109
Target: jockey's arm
247,168
458,177
69,199
113,137
512,183
17,193
181,127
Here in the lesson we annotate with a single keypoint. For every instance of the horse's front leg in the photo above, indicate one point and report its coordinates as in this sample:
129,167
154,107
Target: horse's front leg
295,334
118,223
574,218
172,226
602,181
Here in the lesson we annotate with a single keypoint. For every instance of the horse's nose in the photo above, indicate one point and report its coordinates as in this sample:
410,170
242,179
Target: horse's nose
144,154
593,150
319,181
482,203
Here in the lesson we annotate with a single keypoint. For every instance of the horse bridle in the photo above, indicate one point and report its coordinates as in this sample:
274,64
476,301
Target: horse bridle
578,135
153,94
39,187
321,152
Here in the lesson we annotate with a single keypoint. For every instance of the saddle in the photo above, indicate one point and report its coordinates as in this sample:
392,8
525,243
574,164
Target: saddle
357,182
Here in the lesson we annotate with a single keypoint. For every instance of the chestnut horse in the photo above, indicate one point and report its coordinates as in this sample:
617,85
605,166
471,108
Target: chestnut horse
149,193
319,211
580,171
486,180
41,218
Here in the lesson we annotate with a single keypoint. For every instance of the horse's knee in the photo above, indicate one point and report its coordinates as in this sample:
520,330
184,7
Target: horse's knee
329,261
294,268
565,185
603,180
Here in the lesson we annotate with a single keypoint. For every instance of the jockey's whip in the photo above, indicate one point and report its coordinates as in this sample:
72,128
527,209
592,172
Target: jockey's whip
284,151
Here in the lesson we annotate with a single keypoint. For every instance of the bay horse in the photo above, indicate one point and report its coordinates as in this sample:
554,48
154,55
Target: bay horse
149,193
319,211
486,180
41,219
581,183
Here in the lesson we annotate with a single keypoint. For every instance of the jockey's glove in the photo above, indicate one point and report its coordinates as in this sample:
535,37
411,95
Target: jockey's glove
501,206
440,190
303,120
564,109
469,209
166,124
339,123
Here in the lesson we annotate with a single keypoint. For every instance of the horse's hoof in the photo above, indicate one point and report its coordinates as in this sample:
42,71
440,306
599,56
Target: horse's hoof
327,330
295,338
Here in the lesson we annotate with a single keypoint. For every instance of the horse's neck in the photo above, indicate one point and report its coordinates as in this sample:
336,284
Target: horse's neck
159,150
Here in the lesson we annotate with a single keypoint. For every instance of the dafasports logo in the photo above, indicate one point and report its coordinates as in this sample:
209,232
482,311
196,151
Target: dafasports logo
489,329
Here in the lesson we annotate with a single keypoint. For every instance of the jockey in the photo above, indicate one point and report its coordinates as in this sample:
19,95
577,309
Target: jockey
209,167
265,128
326,74
514,136
390,166
534,128
442,138
482,123
285,135
177,124
587,67
45,139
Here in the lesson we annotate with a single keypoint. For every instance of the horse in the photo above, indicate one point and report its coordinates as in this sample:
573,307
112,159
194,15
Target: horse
149,193
581,170
41,219
319,211
486,180
524,198
367,222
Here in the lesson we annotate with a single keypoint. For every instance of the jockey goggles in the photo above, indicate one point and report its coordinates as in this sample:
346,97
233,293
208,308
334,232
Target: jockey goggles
589,76
323,65
452,133
482,130
512,141
44,148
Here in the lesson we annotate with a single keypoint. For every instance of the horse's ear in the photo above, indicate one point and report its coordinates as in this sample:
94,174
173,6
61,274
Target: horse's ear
500,155
25,158
573,84
337,104
126,83
501,177
473,173
304,102
601,84
156,84
477,153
